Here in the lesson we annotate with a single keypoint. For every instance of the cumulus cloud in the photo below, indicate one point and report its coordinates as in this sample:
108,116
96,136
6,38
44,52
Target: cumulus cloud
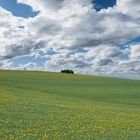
5,65
28,66
81,38
135,52
129,7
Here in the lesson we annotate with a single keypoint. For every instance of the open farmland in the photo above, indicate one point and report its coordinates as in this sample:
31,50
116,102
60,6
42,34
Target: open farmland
53,106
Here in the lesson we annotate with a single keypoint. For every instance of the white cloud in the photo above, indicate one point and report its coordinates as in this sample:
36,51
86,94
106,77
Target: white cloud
135,52
5,65
28,66
67,26
129,7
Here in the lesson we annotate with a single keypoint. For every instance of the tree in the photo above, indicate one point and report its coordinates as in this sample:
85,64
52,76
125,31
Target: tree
67,71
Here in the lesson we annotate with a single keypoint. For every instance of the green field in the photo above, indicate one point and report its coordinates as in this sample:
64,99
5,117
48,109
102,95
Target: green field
51,106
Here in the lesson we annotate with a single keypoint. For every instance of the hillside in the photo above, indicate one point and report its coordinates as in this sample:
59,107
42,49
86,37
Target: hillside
42,105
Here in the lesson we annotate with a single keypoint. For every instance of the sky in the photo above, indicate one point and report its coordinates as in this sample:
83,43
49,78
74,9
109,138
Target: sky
95,37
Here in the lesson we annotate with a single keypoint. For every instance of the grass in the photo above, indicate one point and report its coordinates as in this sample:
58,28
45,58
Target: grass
51,106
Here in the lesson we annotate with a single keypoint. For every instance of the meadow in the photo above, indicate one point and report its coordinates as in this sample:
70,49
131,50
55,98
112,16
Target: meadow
54,106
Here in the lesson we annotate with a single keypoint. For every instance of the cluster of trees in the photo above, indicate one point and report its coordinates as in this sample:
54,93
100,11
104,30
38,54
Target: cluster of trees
67,71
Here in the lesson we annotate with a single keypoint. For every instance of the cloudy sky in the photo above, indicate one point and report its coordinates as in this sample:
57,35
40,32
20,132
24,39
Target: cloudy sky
97,37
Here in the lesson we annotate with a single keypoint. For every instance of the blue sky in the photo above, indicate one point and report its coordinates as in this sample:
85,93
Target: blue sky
24,10
101,4
60,34
18,9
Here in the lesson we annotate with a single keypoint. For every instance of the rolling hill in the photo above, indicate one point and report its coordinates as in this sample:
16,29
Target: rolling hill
43,105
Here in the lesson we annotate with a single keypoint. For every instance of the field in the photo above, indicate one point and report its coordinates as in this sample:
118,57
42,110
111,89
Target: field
53,106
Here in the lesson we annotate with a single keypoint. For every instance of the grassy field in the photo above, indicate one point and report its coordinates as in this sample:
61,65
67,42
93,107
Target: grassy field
51,106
